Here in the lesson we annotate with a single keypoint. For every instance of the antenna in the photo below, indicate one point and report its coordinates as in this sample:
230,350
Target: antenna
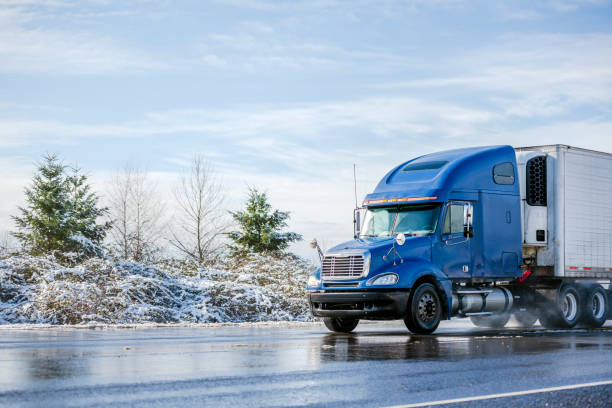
355,183
356,210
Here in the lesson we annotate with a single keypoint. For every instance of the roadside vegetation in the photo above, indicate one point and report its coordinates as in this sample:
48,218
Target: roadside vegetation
127,261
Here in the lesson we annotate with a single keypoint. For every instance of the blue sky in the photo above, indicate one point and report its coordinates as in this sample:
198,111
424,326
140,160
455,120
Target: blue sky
287,95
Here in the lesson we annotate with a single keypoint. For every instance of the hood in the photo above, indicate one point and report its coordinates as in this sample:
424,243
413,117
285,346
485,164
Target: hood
364,243
414,247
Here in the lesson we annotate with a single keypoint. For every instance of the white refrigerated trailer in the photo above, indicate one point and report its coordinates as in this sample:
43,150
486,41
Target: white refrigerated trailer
566,196
567,211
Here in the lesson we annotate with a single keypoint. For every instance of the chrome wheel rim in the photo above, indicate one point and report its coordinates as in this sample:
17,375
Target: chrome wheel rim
427,308
570,306
598,305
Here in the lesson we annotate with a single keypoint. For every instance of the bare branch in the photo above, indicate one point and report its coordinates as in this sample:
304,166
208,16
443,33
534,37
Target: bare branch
137,215
200,219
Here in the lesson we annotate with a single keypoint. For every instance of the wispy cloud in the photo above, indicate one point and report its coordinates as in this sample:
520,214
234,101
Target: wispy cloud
29,46
510,9
534,75
380,116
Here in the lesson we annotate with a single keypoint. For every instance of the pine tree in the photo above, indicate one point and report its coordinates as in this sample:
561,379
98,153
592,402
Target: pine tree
60,212
260,226
84,213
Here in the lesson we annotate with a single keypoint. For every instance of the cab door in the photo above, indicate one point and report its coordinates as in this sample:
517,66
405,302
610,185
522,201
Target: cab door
454,253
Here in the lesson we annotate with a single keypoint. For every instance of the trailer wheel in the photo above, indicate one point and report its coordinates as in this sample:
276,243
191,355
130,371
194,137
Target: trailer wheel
340,325
525,318
595,307
565,312
493,322
425,310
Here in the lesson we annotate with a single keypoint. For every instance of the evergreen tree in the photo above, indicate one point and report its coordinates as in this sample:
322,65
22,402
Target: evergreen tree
84,212
260,226
60,212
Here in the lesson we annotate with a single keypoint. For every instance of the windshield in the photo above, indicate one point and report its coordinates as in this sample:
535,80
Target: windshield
408,220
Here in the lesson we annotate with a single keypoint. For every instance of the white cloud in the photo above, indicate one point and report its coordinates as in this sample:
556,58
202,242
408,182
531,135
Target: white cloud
258,47
377,116
27,46
564,6
535,75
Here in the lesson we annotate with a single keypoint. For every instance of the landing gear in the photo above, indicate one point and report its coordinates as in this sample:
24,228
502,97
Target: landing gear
425,310
594,307
494,322
565,312
340,325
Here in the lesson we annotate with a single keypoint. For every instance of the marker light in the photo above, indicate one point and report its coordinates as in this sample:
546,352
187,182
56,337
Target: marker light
398,200
386,279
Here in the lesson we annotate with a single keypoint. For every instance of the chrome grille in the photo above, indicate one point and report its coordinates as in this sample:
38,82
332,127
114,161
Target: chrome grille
342,267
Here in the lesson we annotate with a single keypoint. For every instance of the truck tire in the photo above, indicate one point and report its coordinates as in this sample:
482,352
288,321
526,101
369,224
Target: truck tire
494,322
565,312
526,318
594,307
340,325
424,310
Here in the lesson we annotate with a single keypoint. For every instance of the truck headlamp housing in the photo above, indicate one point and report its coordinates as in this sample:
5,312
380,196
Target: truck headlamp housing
313,282
386,279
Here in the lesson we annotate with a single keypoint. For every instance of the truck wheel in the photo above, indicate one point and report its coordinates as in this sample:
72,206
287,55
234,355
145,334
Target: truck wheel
564,313
525,318
494,322
425,310
340,325
595,307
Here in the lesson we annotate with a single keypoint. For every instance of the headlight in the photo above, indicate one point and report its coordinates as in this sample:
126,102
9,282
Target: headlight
385,279
313,282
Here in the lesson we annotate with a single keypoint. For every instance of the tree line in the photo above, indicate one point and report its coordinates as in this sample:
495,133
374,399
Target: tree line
62,213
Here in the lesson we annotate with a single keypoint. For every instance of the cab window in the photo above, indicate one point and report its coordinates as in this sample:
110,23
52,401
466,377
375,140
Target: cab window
453,221
503,173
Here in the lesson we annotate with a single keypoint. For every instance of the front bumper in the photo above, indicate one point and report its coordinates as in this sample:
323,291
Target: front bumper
360,305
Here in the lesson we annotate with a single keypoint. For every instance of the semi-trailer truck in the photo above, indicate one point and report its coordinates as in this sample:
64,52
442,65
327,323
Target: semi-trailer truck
485,233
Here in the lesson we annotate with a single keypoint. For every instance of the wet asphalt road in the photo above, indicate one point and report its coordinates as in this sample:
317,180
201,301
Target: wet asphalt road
379,365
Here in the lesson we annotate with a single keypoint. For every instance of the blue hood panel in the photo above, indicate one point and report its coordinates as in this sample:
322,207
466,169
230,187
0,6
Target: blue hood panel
414,248
363,243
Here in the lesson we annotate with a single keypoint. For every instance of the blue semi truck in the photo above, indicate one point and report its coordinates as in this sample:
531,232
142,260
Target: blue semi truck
485,233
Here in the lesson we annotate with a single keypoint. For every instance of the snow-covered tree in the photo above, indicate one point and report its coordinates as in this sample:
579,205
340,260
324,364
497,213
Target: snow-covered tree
61,211
260,226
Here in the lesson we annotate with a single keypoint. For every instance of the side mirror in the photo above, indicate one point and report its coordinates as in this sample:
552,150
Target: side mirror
468,218
356,223
400,239
314,243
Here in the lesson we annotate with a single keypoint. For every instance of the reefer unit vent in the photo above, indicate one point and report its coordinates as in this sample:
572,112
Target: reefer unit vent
536,181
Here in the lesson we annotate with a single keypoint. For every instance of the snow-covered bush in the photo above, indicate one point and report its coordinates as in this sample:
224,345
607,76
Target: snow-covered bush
256,288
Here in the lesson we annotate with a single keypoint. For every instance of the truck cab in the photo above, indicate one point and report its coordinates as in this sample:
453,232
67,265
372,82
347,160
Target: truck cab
442,236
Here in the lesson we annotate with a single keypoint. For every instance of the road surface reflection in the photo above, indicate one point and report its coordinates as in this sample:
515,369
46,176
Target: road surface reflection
370,346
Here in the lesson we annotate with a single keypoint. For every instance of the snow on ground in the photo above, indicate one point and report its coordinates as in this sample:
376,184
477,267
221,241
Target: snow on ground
43,290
